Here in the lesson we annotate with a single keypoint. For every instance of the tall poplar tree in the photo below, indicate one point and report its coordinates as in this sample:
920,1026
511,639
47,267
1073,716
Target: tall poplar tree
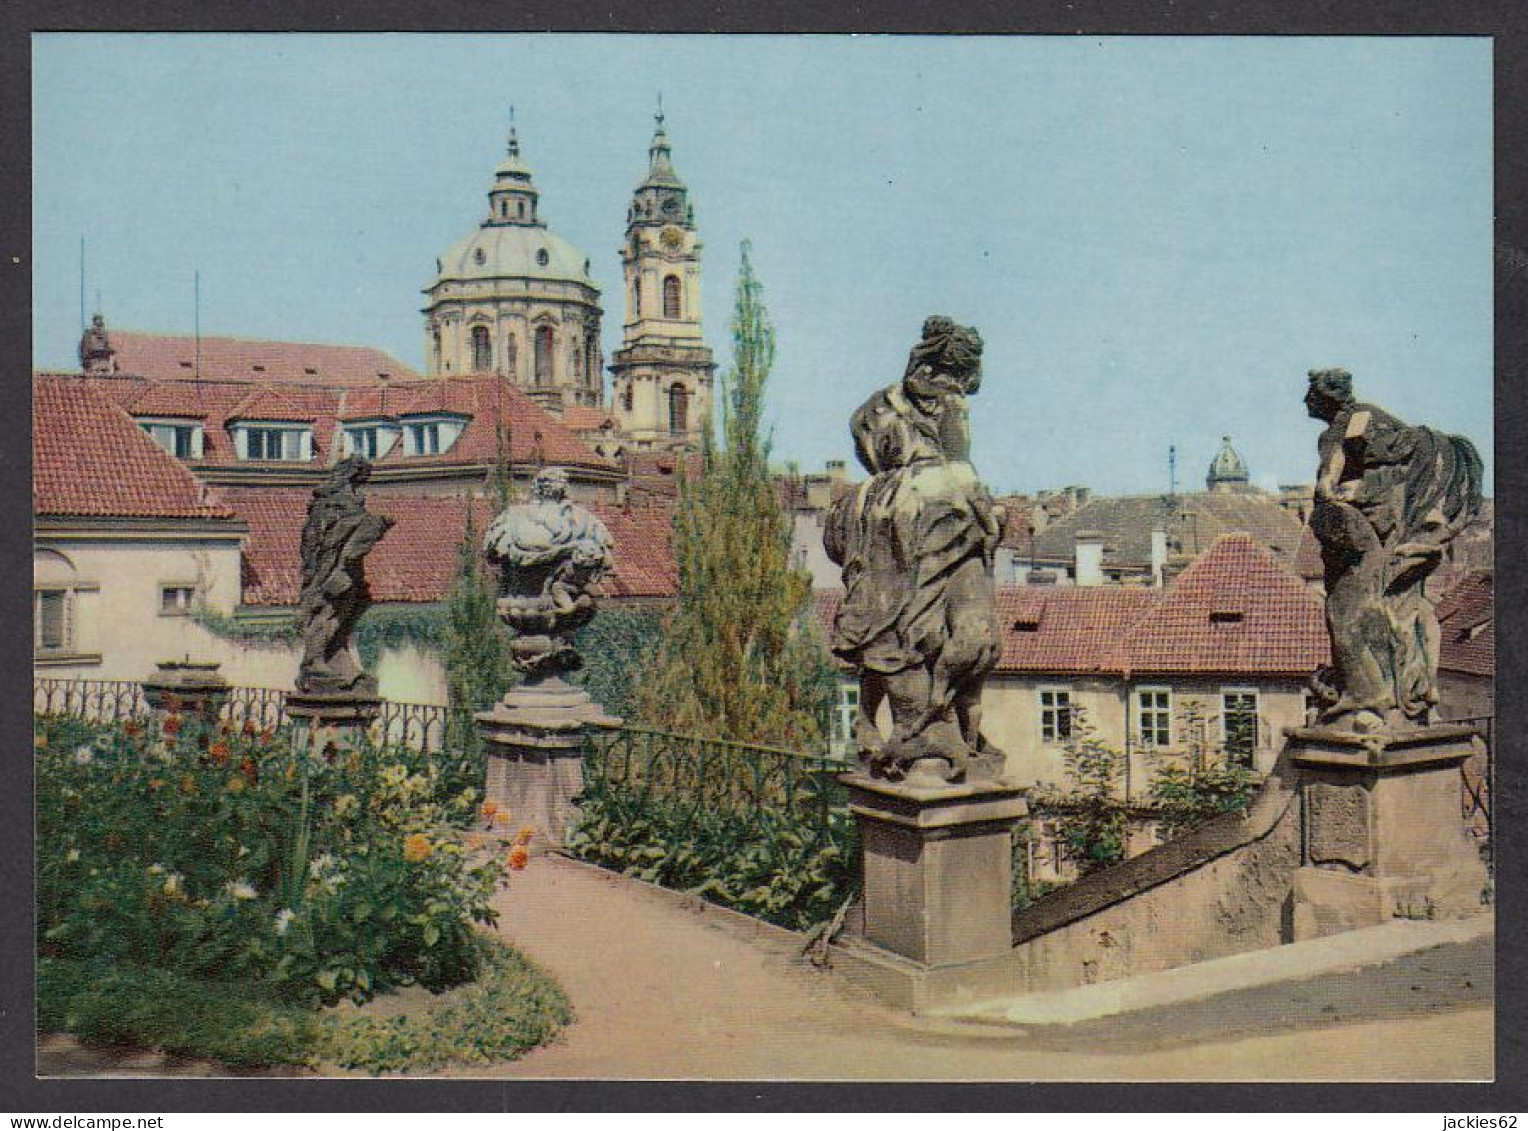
737,659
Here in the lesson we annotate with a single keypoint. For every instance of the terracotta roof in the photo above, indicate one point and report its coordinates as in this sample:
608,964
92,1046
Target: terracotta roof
90,459
169,357
417,560
1067,629
534,435
1236,610
1467,620
587,418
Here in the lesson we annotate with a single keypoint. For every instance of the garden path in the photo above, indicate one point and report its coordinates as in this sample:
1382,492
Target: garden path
664,991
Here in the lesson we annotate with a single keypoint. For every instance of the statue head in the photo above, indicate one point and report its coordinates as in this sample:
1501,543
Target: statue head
550,485
947,359
1331,391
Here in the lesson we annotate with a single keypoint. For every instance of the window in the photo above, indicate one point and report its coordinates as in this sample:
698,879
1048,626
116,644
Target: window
1055,715
671,296
183,441
52,619
435,346
482,350
1154,716
370,440
845,712
267,443
578,362
679,409
511,354
636,297
175,600
626,397
520,210
542,258
593,366
425,439
1239,724
544,344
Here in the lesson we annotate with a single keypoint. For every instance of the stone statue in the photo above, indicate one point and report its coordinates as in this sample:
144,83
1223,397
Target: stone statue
1389,499
916,543
550,554
336,538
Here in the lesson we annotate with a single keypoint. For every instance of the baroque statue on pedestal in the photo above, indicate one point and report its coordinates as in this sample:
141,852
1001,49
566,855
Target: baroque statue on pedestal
550,554
916,543
336,538
1389,499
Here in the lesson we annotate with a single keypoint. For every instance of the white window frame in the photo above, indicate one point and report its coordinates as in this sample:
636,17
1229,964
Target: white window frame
845,712
1257,719
67,618
296,441
1050,714
182,608
1162,715
431,435
166,431
382,438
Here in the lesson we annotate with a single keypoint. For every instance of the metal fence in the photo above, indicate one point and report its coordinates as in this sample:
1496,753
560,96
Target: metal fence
427,727
699,782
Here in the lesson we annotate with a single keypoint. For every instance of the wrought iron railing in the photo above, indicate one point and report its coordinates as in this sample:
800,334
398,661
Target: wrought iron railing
700,780
427,727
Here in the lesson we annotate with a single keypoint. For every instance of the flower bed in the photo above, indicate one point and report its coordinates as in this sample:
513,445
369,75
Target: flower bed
237,858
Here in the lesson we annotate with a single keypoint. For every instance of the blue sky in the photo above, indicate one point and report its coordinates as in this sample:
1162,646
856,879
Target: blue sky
1156,237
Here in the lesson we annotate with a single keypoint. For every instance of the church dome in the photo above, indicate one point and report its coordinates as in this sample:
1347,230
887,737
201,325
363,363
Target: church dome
498,251
1227,469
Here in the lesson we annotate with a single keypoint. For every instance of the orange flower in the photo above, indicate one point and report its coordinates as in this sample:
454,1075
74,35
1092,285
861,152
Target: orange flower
171,724
218,753
524,835
131,728
417,846
489,810
41,742
249,728
519,857
171,702
188,784
156,783
247,768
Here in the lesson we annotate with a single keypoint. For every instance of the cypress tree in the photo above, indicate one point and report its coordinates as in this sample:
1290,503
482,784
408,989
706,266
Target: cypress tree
476,656
737,659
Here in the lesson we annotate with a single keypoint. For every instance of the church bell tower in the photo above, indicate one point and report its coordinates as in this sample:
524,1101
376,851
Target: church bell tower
663,372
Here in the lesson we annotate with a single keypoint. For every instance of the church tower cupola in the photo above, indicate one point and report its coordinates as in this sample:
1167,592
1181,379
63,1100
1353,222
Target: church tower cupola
1228,471
513,198
663,370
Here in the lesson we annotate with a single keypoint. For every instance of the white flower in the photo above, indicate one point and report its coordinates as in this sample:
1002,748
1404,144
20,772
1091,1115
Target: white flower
241,890
284,919
73,857
83,755
243,852
172,884
156,869
320,865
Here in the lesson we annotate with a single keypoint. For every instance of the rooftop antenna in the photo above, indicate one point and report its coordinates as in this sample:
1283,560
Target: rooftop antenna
660,110
82,286
196,369
1172,471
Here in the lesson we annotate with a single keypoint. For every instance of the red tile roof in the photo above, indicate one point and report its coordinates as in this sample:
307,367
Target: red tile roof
1236,610
534,435
417,560
1265,622
587,418
1467,620
171,357
90,459
1067,629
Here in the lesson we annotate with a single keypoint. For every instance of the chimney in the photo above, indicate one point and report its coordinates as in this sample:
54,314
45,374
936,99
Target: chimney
1089,557
1158,556
837,472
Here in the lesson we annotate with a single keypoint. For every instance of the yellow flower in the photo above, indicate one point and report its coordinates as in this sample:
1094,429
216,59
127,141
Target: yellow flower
236,784
344,803
524,835
188,784
417,846
519,857
489,810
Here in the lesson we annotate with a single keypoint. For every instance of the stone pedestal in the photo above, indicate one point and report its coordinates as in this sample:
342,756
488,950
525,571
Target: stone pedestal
187,687
534,738
1383,835
938,863
340,717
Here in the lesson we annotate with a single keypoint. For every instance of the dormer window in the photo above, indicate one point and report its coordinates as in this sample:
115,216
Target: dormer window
432,435
372,439
263,441
181,438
